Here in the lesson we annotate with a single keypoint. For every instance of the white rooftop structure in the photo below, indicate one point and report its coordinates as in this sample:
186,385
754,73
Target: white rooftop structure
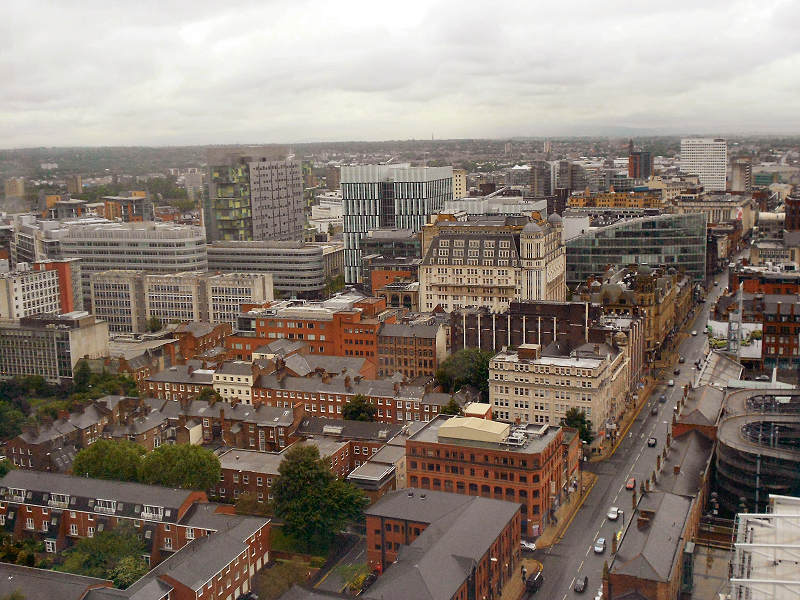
766,557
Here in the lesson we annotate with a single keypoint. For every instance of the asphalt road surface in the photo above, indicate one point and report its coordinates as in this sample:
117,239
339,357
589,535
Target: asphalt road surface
574,555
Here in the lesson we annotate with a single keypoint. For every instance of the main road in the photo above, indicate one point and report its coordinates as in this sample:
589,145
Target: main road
574,555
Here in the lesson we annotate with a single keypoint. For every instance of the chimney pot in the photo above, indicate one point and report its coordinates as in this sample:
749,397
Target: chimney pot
676,470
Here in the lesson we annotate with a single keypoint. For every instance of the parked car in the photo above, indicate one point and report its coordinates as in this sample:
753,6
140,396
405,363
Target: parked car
763,378
534,581
631,485
528,545
600,546
581,583
613,513
651,442
671,383
654,409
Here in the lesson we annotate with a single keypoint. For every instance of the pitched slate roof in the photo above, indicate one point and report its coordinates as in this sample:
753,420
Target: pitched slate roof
357,430
43,584
84,489
436,564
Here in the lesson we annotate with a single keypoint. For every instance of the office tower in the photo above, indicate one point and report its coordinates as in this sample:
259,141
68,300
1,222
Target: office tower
459,183
50,286
128,299
541,179
254,194
571,176
640,165
742,175
393,196
193,182
708,159
15,187
156,247
74,184
333,177
129,207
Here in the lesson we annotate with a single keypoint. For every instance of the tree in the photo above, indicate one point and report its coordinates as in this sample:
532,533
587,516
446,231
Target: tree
81,376
359,409
11,420
312,502
210,395
181,466
247,504
5,467
272,583
15,595
110,459
451,408
101,555
129,570
576,418
154,324
469,366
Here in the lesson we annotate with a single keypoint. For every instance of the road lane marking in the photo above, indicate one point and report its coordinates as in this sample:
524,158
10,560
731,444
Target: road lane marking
581,565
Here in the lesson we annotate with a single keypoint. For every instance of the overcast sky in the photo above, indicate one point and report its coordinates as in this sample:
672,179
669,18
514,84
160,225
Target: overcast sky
141,72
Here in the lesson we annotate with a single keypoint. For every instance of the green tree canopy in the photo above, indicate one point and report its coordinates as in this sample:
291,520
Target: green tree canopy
312,502
451,408
129,570
110,459
576,418
210,395
101,555
81,376
11,419
359,409
469,366
181,466
6,466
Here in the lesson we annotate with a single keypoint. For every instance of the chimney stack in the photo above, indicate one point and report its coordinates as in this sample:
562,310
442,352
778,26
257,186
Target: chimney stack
347,382
396,388
676,470
642,522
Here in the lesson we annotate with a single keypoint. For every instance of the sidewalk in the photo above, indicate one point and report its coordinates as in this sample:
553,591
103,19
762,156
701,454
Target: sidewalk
552,534
514,589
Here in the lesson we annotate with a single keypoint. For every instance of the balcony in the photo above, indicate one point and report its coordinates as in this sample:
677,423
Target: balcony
152,516
104,510
57,504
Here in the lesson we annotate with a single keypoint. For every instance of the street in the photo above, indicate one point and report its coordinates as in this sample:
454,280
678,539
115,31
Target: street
574,555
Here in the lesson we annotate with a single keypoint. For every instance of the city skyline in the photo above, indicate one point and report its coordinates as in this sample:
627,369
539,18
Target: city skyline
283,72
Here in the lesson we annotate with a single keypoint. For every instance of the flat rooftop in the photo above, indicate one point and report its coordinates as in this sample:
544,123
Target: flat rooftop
532,441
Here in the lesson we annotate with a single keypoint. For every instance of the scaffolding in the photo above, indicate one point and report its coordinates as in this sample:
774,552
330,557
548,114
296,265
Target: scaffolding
765,562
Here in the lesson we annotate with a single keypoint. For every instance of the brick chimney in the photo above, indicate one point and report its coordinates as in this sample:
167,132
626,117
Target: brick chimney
676,470
642,522
326,379
63,414
347,383
396,388
47,421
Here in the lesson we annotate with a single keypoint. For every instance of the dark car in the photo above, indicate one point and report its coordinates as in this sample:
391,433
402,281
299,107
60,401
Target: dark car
681,360
677,371
662,398
654,409
651,442
581,583
534,582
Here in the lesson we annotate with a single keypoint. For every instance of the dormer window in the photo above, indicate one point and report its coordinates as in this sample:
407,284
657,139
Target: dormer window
108,507
16,494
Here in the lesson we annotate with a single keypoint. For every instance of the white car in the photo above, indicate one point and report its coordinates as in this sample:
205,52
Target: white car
671,383
613,513
694,332
528,545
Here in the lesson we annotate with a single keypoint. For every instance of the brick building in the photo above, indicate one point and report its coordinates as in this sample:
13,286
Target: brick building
461,547
410,349
476,457
199,550
196,338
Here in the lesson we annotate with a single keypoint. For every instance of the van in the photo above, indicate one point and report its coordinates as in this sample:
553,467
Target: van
534,582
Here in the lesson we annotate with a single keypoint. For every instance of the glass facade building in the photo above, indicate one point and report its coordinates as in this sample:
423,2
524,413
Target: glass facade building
663,240
388,196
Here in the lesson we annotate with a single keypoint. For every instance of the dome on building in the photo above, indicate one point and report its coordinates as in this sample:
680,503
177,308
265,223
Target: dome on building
554,219
644,270
532,228
672,271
